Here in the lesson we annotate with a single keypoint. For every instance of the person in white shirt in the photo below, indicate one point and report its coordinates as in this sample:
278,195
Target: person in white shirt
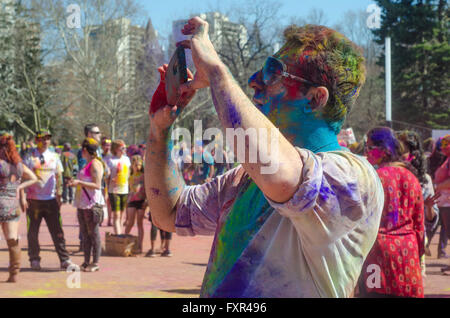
44,200
119,171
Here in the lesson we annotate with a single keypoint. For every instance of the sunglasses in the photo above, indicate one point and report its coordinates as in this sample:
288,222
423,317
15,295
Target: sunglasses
95,132
44,137
274,69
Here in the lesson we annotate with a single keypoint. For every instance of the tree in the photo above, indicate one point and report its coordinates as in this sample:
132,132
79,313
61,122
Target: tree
369,107
96,60
23,88
315,16
420,59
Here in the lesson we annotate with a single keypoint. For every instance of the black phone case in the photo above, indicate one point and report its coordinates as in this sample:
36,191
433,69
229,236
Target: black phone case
176,75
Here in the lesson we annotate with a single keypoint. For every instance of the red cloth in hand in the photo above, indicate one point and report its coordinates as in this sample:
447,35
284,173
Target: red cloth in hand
159,98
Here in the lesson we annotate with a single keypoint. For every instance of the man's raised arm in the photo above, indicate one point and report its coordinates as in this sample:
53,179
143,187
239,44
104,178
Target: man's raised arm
163,181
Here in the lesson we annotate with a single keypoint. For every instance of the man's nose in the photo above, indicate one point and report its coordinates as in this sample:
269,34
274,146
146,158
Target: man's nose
255,81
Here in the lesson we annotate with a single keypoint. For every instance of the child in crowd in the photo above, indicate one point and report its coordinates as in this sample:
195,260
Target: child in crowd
136,199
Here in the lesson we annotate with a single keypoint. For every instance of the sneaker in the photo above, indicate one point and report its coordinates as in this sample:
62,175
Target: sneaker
66,264
166,253
35,265
150,253
92,268
84,266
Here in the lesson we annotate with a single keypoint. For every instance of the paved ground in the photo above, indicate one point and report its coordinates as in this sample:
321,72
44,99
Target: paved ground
178,276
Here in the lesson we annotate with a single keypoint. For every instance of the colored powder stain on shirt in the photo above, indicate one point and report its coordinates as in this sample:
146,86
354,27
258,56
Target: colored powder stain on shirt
245,219
122,174
393,216
325,192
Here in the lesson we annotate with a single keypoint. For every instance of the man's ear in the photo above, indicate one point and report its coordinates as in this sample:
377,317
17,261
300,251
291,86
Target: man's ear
318,97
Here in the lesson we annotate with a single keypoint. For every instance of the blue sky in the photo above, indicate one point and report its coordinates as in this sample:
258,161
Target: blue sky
162,12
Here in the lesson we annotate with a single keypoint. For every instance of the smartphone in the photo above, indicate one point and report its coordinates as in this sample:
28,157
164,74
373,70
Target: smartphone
175,76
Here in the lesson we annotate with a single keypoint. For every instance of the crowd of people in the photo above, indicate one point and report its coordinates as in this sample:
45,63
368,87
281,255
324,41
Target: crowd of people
110,176
416,201
341,212
102,178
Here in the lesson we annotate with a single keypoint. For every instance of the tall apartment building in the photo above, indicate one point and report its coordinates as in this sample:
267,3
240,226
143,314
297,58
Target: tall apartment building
126,44
226,36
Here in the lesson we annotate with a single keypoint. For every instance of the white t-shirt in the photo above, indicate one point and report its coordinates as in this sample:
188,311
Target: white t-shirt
119,169
46,173
313,245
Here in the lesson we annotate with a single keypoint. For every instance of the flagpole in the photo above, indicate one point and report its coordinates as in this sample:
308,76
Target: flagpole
388,81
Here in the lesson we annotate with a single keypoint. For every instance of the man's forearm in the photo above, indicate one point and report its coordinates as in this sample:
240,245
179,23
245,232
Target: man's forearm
163,182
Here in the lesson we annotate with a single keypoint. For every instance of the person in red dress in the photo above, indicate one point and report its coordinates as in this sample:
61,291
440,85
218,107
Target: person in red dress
392,268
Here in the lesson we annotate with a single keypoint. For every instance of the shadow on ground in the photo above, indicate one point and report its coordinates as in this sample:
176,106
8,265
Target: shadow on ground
195,264
183,291
43,270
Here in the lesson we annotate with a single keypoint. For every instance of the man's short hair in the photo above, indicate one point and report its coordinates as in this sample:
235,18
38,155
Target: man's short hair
88,128
326,57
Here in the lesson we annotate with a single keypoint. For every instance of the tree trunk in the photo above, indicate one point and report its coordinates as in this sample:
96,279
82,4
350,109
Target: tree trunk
113,129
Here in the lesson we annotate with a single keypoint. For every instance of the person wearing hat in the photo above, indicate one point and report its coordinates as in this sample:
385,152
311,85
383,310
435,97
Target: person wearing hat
44,200
70,163
90,131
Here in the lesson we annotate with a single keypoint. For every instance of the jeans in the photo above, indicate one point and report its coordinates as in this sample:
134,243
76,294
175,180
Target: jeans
67,194
48,210
444,214
91,235
154,232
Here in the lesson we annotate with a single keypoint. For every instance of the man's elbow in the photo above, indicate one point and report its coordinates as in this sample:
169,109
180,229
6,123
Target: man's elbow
280,187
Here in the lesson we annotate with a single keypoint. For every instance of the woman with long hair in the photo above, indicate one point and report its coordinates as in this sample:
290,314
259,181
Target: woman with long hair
136,199
416,161
399,244
88,199
12,198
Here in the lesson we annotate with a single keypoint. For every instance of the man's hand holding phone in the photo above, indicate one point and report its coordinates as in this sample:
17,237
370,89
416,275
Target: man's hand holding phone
162,115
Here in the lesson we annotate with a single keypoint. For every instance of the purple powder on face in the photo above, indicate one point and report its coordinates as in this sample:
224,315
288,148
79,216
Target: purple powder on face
383,137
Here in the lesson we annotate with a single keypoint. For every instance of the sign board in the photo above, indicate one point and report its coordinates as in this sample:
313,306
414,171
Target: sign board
436,134
347,135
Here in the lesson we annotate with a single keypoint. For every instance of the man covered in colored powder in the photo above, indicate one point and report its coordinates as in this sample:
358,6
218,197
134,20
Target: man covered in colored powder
304,230
44,200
